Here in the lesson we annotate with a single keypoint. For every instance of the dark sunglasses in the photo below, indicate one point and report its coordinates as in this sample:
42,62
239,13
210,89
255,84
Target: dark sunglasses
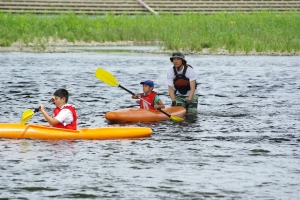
176,54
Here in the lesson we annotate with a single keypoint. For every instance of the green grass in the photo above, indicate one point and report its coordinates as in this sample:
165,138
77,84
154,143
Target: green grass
262,32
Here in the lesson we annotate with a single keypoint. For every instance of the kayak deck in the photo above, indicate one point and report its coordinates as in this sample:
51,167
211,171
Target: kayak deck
143,115
32,131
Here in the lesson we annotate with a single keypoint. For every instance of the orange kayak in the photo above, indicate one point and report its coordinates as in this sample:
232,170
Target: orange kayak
142,115
31,131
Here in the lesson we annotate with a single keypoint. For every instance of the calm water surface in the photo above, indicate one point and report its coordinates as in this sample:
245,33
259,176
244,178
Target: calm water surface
245,143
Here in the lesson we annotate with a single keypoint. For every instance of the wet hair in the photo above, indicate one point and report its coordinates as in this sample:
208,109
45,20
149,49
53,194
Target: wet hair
62,93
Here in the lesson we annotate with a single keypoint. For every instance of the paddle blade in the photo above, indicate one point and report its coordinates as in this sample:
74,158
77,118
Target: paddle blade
176,119
106,77
26,116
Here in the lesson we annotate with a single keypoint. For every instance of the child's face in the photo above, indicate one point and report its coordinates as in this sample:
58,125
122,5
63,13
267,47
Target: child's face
147,89
58,102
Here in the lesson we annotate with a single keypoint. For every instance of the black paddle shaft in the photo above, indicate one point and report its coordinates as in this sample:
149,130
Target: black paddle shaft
126,89
164,112
38,109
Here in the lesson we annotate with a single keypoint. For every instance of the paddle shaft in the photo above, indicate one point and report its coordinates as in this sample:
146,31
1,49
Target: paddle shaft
28,113
153,107
126,89
38,109
164,112
147,102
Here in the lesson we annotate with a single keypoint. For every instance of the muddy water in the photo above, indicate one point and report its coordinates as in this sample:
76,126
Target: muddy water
244,145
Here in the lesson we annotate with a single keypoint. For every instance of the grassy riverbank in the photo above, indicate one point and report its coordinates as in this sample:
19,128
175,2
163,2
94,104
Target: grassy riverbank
259,32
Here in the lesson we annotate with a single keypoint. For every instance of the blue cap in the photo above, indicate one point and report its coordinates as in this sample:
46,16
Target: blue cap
148,82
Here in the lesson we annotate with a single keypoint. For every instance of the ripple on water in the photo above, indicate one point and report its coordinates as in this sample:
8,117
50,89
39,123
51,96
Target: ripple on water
244,143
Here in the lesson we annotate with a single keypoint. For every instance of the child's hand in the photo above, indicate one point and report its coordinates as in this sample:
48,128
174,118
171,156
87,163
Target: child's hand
157,107
135,96
42,108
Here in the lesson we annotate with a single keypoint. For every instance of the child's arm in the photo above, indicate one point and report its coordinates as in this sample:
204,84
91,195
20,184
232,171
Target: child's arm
159,104
49,119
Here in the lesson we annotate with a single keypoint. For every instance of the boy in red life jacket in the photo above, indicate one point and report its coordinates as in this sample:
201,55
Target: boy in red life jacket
149,99
64,115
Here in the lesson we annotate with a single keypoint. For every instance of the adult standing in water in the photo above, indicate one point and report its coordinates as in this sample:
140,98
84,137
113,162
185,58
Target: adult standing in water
182,85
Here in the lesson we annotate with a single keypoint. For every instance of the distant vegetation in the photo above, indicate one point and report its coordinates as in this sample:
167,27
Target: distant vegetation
262,32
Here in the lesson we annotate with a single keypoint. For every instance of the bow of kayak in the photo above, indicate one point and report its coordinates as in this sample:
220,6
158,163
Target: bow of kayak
31,131
143,115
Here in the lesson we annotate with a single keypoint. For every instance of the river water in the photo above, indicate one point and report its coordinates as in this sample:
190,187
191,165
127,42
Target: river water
245,143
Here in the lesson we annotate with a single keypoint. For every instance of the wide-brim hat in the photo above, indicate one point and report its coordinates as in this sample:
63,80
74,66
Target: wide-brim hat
178,55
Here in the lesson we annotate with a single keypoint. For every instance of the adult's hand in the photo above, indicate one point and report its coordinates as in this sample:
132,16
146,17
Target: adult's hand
187,105
173,103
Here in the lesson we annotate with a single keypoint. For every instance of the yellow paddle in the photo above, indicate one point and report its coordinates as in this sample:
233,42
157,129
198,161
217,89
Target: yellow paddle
110,80
28,113
26,116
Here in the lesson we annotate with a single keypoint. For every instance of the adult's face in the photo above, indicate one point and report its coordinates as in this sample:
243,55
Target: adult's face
177,62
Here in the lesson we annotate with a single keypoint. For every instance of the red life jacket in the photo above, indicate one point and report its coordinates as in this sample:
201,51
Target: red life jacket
181,82
150,98
73,125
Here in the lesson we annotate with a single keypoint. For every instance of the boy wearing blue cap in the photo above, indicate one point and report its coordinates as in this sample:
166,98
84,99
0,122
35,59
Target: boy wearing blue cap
149,99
